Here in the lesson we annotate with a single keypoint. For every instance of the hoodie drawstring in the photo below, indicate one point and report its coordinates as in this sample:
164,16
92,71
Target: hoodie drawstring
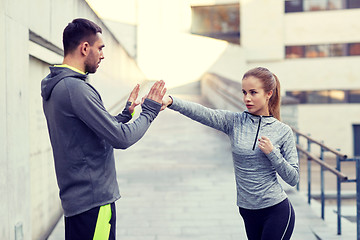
257,133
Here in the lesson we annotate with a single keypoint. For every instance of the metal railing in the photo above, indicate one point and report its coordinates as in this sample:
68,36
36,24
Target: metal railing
341,177
222,87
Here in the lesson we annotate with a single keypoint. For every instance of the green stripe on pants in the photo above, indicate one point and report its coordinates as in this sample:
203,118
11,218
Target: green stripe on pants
102,229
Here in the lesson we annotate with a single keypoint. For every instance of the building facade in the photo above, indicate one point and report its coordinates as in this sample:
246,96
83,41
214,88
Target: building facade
312,46
318,62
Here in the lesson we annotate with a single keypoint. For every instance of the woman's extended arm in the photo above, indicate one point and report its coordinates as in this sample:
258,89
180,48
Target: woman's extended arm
221,120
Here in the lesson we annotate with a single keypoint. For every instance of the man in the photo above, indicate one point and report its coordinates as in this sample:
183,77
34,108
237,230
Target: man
83,134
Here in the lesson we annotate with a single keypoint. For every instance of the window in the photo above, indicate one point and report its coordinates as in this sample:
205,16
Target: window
326,96
356,131
353,3
293,6
319,5
294,51
337,50
336,4
354,49
354,96
323,50
313,51
337,96
218,21
315,5
299,95
318,97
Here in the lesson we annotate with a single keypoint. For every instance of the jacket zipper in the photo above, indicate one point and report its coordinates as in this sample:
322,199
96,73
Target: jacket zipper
257,133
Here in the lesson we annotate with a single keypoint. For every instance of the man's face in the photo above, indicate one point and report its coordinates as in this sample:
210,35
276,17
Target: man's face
95,56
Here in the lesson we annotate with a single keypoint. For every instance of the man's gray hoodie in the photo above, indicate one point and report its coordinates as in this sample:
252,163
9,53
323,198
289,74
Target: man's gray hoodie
83,135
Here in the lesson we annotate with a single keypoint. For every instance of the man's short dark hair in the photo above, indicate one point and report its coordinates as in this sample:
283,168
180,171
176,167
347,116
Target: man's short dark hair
77,31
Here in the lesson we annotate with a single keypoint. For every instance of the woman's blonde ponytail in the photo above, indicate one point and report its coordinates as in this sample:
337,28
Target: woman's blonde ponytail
275,100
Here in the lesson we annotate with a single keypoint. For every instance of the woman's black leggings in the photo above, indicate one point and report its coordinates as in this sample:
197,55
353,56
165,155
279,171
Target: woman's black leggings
272,223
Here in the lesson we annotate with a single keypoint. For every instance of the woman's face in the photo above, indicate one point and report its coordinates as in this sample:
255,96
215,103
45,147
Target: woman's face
255,97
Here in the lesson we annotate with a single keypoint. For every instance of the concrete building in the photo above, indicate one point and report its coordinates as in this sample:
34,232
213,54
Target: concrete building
31,41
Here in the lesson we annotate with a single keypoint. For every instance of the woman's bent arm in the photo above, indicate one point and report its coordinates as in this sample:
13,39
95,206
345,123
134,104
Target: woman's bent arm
285,160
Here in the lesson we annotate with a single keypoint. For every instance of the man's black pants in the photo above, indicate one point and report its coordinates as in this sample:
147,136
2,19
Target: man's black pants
98,223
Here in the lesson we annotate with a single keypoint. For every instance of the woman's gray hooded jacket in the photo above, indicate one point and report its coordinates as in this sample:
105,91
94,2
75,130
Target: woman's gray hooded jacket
255,172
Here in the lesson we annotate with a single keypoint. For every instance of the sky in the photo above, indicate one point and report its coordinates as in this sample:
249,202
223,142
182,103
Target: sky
116,10
158,32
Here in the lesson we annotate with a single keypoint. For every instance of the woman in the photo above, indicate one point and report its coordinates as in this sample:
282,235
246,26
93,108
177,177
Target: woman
262,147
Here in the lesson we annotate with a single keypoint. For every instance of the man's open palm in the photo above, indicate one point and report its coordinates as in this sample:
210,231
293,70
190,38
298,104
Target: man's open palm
157,91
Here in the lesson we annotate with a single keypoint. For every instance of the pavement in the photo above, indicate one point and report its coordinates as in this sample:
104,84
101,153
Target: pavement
178,183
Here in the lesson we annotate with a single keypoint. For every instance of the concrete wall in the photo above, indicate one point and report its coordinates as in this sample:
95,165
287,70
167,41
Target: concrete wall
45,202
3,130
321,27
261,29
15,171
332,123
29,202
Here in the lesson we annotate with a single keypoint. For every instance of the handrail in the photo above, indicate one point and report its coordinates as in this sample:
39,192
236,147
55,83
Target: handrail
312,157
337,153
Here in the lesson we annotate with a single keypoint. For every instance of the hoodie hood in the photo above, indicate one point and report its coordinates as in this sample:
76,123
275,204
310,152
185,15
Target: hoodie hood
264,119
55,76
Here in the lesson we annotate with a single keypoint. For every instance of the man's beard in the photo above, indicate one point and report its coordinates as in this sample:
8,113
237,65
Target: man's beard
89,66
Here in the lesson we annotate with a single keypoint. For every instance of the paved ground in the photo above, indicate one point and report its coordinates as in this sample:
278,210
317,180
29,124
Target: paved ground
178,183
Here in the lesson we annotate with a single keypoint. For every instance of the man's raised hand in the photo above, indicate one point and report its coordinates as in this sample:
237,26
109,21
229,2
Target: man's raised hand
157,91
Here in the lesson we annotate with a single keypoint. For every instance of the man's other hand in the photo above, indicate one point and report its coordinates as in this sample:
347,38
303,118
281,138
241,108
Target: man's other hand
133,96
